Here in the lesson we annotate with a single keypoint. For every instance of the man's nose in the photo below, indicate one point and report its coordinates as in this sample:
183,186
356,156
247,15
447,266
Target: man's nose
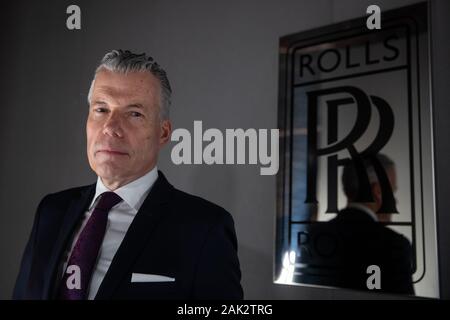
113,126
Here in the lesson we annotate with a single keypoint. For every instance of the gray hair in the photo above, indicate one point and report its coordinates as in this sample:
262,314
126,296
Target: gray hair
126,61
350,180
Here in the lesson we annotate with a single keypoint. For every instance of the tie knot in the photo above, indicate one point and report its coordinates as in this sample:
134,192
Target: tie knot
108,200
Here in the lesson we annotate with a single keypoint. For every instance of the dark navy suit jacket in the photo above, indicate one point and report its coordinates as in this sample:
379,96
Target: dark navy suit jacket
174,234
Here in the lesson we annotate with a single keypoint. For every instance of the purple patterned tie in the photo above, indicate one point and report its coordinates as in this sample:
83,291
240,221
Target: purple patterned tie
76,279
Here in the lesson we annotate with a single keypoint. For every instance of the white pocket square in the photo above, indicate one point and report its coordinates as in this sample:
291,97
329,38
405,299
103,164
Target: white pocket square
145,277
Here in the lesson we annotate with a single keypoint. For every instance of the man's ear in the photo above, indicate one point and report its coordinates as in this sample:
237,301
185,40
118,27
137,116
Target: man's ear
166,131
376,193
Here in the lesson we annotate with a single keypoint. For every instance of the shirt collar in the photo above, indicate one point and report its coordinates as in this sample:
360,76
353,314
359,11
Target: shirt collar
133,193
363,208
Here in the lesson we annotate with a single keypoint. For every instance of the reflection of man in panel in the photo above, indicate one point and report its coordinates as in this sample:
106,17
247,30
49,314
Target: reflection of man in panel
364,241
131,235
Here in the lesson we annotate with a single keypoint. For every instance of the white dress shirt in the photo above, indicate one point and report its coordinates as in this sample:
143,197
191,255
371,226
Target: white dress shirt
119,220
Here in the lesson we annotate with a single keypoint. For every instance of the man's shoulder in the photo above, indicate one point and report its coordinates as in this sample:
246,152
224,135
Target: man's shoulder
393,237
66,195
198,208
186,200
388,237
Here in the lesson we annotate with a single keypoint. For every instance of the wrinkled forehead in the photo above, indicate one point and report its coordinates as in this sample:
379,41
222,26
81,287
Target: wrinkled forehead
123,88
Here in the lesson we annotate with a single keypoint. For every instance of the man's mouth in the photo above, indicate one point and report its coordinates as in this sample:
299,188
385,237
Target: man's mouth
112,152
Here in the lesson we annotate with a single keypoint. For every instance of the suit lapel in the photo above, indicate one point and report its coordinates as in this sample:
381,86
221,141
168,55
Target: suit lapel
140,230
73,215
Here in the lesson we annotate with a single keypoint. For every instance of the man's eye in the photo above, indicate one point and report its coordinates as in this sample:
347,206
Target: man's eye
135,114
100,110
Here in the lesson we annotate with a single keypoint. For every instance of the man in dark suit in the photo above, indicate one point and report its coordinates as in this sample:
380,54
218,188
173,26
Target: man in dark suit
346,246
131,235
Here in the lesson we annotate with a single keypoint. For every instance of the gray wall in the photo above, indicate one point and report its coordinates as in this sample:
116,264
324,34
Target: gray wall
222,60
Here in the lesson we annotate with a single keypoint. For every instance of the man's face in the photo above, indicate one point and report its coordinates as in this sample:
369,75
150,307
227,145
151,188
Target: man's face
124,131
